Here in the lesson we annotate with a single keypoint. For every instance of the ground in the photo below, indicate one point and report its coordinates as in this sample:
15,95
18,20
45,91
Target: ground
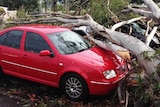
15,92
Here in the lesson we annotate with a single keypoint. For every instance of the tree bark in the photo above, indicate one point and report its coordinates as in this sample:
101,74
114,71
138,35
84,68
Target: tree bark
154,12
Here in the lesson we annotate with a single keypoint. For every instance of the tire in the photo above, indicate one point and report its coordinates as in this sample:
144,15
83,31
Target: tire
74,87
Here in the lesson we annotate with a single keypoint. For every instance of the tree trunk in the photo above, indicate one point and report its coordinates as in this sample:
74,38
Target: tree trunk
136,46
55,5
45,6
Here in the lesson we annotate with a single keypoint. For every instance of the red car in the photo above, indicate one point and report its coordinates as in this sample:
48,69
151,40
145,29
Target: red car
61,58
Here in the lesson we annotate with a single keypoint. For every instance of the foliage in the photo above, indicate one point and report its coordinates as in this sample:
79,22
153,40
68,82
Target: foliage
98,11
46,4
102,11
116,6
76,3
21,12
155,55
1,11
30,5
137,1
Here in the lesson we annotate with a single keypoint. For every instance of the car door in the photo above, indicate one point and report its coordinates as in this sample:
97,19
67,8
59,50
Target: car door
10,51
42,69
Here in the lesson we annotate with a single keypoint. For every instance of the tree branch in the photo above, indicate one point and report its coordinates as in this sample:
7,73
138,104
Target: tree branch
154,12
151,35
115,26
141,12
153,8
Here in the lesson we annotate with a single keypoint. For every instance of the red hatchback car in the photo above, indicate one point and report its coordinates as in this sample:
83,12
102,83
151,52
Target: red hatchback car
59,57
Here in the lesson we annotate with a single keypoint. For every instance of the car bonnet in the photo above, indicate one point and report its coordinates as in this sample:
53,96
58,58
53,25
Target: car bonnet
96,57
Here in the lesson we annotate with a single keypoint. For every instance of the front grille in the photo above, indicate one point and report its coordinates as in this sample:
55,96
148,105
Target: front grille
122,69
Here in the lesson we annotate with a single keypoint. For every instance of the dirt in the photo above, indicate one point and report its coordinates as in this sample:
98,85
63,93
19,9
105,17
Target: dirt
6,101
15,92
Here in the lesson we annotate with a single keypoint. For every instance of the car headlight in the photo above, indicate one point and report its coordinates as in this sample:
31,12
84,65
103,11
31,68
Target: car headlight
109,74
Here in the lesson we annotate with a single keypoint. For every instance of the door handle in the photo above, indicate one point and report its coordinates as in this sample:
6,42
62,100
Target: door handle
23,56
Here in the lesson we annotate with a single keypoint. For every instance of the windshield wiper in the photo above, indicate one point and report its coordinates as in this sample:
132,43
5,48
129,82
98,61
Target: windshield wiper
82,50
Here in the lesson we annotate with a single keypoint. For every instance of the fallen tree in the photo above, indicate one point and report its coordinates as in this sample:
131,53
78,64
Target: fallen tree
132,44
135,46
141,50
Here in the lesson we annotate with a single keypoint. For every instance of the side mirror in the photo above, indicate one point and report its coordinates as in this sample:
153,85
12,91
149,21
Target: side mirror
45,53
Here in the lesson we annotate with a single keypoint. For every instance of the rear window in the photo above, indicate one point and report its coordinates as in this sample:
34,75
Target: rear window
11,38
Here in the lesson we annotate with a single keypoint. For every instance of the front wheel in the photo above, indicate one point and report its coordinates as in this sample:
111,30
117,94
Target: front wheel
74,87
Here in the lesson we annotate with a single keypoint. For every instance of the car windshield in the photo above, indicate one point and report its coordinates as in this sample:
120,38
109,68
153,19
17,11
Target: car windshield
68,42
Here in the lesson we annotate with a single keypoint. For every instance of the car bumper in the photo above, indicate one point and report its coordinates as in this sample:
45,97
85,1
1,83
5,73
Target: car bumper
105,86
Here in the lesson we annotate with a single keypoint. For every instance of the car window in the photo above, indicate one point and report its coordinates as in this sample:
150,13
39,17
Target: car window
68,42
11,38
35,43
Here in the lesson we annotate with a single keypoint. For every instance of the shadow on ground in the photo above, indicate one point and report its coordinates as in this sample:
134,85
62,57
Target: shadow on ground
15,92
